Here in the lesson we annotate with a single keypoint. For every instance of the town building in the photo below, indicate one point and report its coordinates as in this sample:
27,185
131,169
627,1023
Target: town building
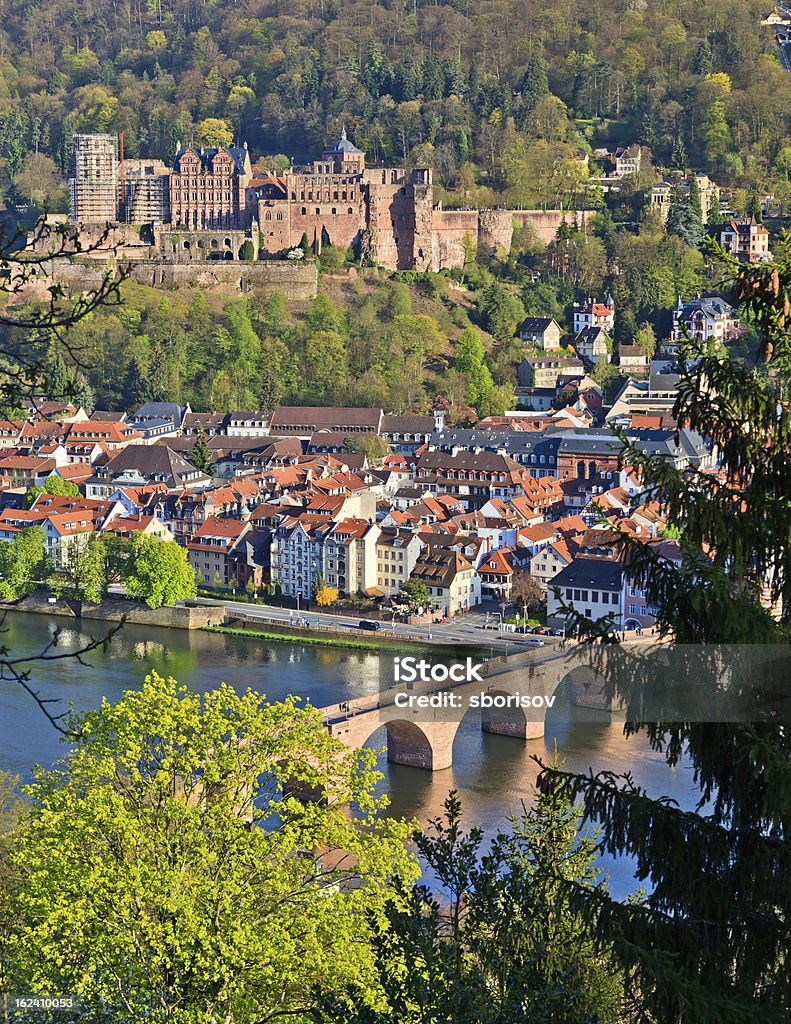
626,161
453,584
542,331
633,360
704,318
592,585
594,314
591,344
543,371
214,550
746,239
662,194
397,552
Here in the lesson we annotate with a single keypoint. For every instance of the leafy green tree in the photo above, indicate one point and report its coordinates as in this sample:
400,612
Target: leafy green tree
501,311
469,352
679,159
201,454
176,876
158,572
715,132
645,339
247,251
535,85
504,942
373,447
80,572
23,563
213,132
414,594
319,583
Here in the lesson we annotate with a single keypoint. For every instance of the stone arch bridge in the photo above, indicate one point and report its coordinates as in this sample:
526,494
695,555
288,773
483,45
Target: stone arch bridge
422,719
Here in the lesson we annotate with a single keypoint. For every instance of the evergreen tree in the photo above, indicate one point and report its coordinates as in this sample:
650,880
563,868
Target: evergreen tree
504,942
754,209
703,61
648,132
201,455
694,198
682,219
679,160
710,943
535,85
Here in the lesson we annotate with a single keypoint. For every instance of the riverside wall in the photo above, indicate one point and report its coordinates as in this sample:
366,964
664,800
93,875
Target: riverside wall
115,609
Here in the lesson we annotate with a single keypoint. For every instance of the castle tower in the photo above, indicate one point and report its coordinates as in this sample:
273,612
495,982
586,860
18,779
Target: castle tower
93,191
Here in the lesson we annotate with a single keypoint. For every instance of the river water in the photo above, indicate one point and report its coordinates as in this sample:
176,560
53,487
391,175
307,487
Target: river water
494,775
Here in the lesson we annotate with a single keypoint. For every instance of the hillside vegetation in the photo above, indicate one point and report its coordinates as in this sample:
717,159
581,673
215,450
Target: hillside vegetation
500,96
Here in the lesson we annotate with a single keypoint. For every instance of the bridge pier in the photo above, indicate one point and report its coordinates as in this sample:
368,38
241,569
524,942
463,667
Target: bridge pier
524,730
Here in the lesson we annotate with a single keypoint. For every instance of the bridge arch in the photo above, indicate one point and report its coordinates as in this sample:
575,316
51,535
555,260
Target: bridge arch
417,744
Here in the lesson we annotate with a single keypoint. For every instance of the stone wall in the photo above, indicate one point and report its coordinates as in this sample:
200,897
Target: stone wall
545,223
450,228
282,225
296,280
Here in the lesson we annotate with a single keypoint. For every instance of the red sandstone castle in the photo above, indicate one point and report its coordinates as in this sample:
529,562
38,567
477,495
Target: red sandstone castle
211,203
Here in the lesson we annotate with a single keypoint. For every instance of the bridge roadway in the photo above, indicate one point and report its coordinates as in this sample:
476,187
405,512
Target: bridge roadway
423,736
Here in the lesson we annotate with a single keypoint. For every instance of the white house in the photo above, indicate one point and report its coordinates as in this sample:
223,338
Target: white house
595,314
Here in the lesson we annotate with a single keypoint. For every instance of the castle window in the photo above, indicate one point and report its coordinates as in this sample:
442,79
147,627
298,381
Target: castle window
318,211
334,210
279,215
343,195
304,211
268,215
350,210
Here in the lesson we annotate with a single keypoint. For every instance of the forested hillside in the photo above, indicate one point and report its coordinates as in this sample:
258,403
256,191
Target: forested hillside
491,92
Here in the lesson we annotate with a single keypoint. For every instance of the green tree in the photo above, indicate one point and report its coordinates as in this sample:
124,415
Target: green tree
679,160
201,456
682,219
23,563
177,877
213,132
319,583
373,447
715,132
710,942
247,251
501,311
80,572
414,594
645,339
158,572
504,942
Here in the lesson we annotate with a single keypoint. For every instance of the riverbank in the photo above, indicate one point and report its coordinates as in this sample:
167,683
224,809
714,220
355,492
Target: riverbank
286,634
114,609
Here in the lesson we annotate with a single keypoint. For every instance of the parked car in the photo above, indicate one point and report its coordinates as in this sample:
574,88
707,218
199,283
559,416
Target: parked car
534,641
370,625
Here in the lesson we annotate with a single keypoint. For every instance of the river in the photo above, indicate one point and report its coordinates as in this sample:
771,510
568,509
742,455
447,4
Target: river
493,774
